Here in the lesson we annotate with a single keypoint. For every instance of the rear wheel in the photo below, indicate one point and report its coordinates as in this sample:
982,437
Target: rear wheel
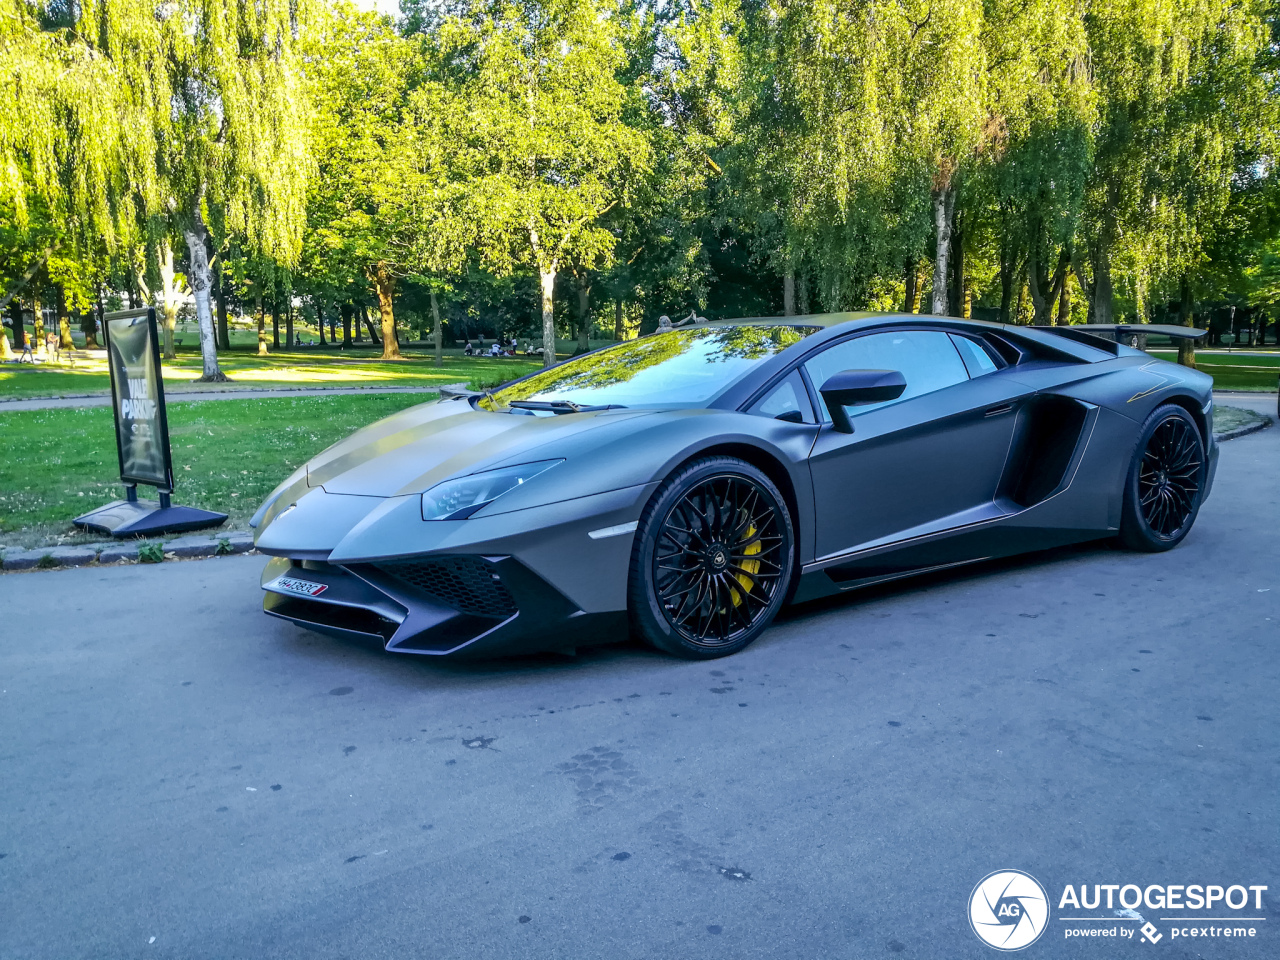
1165,481
712,560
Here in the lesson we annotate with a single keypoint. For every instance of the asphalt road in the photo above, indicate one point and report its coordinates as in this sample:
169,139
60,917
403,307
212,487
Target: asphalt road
176,766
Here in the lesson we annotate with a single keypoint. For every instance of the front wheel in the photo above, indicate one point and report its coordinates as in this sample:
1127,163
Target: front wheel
712,560
1165,481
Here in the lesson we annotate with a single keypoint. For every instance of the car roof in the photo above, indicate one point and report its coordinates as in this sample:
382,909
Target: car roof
854,318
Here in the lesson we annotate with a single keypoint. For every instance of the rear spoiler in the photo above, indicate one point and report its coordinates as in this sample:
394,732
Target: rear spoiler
1107,335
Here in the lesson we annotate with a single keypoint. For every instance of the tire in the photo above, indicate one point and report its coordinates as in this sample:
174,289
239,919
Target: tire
1165,482
712,560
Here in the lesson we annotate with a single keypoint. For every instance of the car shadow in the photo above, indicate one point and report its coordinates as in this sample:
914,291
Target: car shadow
631,654
916,583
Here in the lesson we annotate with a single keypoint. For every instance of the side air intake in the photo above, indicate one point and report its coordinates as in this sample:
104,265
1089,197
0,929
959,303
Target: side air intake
1048,432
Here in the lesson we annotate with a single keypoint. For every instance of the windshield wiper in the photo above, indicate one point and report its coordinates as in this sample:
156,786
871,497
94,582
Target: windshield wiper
563,406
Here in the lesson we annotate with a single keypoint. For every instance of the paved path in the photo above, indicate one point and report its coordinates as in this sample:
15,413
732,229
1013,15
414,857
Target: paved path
248,393
177,766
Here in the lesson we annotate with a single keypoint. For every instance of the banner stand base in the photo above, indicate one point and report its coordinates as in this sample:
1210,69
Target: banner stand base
146,518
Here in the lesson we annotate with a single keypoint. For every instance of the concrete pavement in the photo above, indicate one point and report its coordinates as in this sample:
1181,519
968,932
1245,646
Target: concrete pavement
177,766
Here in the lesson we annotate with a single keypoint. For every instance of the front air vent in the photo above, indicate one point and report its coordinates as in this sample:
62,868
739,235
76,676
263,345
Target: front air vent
467,584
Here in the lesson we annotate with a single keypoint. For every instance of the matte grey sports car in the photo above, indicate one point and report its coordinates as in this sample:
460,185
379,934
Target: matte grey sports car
683,486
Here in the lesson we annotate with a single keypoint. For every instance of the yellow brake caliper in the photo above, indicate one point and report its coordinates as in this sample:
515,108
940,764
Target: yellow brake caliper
748,567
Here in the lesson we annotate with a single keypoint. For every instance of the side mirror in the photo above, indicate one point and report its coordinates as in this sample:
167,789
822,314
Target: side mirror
852,387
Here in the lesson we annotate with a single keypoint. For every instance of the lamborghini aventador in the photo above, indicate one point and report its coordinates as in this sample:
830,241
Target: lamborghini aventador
682,487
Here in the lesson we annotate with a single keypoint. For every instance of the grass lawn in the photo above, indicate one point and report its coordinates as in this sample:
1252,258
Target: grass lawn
296,368
227,456
1233,372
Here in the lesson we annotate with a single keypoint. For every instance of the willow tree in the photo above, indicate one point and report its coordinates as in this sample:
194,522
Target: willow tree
1179,103
77,133
551,145
235,155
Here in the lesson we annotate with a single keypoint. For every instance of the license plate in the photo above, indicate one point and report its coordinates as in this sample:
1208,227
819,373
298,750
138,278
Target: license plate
302,587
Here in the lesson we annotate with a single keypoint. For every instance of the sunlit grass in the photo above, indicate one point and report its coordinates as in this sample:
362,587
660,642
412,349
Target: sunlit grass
227,456
286,369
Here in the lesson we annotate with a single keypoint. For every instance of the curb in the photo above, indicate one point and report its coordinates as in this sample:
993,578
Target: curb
1243,431
125,551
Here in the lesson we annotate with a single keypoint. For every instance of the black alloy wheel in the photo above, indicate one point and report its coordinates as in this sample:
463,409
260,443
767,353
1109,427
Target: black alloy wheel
1165,482
712,561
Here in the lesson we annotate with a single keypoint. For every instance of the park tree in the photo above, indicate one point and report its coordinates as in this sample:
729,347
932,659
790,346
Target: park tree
189,112
386,203
551,151
1179,95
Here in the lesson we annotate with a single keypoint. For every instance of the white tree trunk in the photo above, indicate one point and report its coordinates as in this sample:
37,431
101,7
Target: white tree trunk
548,280
789,293
944,200
435,329
200,284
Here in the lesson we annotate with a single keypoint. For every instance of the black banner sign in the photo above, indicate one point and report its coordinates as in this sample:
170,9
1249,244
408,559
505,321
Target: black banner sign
137,390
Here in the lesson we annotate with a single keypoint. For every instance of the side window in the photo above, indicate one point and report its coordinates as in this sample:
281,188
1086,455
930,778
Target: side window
789,400
927,359
975,356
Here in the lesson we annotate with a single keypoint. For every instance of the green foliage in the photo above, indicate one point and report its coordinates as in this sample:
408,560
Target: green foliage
667,157
152,551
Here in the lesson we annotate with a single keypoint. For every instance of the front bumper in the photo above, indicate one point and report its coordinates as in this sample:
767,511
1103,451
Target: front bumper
434,605
535,579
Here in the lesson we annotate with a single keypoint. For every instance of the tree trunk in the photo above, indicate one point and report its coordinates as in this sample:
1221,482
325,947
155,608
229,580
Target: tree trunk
357,321
370,326
37,323
346,311
1186,314
955,292
224,329
802,294
385,284
1064,296
944,199
547,278
437,333
64,321
199,280
1101,297
320,320
618,329
1035,285
275,321
89,327
261,311
911,281
288,322
584,315
6,349
168,279
789,292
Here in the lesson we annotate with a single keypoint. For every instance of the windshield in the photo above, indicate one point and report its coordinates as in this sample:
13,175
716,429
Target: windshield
674,368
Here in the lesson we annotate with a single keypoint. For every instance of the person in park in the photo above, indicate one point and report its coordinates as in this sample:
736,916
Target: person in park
468,350
26,349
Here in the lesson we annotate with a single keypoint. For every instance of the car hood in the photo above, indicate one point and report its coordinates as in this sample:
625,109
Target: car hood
417,448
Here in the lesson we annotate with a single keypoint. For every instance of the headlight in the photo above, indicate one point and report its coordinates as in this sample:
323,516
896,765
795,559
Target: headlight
460,498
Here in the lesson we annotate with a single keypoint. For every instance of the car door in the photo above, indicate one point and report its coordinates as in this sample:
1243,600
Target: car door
927,461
